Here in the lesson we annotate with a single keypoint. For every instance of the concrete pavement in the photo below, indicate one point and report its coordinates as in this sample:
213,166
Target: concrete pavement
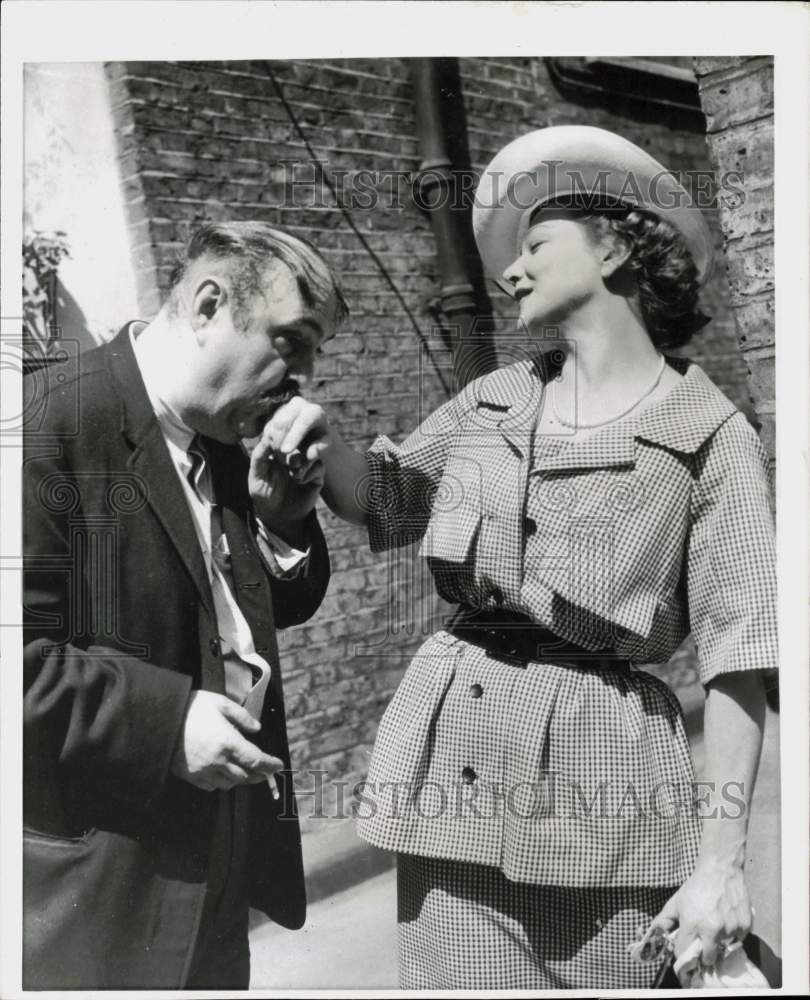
349,942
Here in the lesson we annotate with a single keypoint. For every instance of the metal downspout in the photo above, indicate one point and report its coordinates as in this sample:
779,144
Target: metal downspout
444,188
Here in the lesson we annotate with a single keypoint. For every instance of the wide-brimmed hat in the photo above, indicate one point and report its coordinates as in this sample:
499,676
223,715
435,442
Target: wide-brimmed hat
577,164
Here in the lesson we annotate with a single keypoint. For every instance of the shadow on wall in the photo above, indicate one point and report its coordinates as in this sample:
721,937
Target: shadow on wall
71,321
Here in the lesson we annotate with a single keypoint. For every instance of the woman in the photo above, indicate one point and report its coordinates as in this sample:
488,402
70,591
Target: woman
586,506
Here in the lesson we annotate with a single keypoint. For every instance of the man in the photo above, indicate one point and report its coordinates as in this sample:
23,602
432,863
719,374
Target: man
160,559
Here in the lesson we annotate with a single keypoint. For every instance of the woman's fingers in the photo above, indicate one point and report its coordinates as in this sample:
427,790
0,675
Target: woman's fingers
687,961
709,911
667,919
310,472
744,920
709,947
292,423
304,466
308,426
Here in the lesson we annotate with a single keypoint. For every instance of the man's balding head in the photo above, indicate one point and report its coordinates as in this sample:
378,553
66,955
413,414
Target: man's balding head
244,254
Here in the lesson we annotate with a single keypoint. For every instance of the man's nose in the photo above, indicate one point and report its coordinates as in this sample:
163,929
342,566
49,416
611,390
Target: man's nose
301,364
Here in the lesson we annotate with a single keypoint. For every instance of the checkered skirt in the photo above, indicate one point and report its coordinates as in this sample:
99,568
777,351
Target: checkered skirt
466,926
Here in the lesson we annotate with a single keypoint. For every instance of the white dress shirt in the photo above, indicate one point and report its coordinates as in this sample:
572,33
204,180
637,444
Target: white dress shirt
247,674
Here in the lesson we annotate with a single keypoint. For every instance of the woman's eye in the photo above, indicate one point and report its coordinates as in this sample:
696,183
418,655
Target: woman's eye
534,246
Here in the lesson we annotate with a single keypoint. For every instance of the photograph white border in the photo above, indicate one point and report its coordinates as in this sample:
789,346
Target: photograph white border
47,31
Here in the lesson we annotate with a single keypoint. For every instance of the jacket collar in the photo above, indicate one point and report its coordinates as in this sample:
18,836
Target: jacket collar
682,421
151,460
508,399
137,415
688,415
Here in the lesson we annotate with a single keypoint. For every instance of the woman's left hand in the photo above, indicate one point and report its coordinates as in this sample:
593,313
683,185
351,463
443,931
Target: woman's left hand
713,906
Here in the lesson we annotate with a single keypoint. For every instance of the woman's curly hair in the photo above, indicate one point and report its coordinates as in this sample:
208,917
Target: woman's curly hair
664,272
659,261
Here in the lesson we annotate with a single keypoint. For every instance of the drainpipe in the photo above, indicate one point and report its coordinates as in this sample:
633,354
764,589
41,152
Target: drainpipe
439,189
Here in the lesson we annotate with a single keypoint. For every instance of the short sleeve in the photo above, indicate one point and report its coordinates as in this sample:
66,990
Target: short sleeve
404,478
731,555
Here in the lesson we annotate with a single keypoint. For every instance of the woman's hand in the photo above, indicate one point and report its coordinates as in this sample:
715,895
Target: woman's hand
713,906
286,469
299,437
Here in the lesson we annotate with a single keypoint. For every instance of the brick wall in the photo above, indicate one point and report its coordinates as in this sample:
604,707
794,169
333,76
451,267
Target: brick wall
208,141
737,98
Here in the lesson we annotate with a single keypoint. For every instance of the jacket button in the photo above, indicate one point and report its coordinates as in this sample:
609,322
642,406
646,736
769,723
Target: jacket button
530,526
468,775
476,690
213,646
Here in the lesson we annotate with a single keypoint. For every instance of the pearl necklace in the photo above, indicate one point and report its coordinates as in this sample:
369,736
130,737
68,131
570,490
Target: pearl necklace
582,425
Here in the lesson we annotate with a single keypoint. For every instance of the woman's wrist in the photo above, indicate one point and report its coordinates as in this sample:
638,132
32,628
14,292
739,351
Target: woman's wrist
722,848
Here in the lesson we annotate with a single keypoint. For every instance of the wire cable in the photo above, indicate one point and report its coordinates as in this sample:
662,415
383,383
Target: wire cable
350,222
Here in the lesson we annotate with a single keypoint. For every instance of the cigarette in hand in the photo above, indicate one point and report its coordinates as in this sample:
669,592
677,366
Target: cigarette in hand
273,783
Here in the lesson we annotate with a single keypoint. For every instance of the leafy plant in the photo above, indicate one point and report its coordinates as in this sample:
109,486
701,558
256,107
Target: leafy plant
43,252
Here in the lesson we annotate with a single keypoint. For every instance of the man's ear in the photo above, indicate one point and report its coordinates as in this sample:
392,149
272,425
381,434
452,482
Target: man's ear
209,298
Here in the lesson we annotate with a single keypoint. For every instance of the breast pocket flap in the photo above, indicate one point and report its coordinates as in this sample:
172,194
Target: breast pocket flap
451,533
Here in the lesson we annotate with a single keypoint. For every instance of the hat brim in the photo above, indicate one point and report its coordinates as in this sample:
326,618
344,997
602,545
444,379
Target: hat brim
583,163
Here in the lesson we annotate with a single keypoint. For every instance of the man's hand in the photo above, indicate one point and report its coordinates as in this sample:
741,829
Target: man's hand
212,752
286,470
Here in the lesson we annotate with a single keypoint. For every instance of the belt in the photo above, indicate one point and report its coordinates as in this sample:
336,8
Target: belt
506,635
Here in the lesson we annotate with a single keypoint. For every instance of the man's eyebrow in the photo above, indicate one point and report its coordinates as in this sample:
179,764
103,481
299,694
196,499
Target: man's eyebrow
300,324
318,328
308,324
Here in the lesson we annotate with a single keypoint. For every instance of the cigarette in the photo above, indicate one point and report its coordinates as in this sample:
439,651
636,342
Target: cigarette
273,782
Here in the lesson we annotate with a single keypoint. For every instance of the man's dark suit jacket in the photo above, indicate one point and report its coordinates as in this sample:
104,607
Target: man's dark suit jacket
119,628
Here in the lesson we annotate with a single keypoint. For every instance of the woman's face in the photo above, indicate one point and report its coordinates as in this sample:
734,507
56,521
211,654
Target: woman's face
559,270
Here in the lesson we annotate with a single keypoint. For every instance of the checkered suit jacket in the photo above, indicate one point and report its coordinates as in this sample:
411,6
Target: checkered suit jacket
622,541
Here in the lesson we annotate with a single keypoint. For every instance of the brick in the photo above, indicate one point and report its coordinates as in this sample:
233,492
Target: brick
752,222
708,65
746,149
737,95
761,374
755,322
750,270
